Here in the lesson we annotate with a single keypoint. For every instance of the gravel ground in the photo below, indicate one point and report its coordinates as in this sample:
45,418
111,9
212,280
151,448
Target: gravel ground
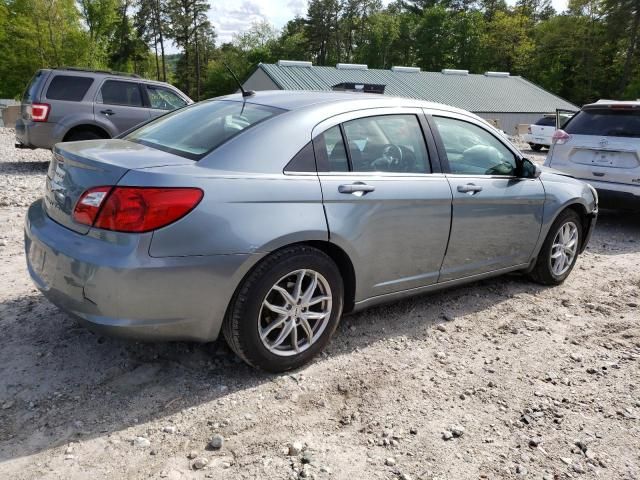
499,379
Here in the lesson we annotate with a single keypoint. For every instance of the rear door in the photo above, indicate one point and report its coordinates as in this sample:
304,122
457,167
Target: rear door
603,145
496,216
385,203
119,105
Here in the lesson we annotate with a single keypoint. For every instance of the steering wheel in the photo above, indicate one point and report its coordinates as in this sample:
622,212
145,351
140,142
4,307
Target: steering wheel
392,159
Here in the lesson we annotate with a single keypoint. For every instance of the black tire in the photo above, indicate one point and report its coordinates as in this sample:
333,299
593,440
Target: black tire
542,271
535,147
240,327
83,135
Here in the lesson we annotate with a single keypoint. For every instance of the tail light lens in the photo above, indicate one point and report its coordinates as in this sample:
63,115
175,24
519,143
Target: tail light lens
39,112
529,129
135,209
89,204
560,137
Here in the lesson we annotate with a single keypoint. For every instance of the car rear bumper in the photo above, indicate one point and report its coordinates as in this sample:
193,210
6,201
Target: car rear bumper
112,284
35,134
536,140
616,195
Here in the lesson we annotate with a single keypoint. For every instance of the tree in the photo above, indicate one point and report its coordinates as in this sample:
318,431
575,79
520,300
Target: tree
323,30
100,18
189,22
623,19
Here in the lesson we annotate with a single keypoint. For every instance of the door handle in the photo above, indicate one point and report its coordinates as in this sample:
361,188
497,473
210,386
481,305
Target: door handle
469,188
357,188
108,112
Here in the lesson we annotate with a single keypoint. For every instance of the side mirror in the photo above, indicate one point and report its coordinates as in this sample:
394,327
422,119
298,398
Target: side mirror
530,169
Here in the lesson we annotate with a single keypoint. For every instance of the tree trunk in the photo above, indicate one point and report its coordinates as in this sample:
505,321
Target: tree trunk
155,47
161,38
197,52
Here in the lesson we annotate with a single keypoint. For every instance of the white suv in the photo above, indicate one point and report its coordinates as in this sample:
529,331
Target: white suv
601,145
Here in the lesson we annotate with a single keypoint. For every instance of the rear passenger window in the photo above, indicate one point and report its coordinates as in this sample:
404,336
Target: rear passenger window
67,87
114,92
331,144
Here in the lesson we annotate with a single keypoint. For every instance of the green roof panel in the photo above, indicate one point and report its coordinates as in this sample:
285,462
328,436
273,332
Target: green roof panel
473,92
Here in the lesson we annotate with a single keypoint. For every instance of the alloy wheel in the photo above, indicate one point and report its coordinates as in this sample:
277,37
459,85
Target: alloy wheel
295,312
564,248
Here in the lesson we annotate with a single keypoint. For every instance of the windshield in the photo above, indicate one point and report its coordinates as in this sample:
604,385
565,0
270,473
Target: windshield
194,131
605,122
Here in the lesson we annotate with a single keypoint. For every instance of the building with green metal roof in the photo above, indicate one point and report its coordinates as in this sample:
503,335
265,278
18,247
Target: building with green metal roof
506,100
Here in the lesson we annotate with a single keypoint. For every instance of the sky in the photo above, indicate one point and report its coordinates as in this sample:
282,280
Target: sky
236,16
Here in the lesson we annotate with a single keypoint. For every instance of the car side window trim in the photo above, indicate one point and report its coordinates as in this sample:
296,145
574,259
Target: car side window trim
442,153
346,147
434,154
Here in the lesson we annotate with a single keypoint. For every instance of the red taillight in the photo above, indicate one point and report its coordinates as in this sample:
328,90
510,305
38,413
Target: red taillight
136,209
88,206
39,112
560,137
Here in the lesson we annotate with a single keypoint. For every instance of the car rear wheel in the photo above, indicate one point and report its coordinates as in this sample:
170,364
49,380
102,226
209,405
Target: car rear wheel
560,250
286,310
535,147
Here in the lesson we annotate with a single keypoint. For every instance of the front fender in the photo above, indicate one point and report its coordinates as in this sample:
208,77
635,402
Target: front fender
562,192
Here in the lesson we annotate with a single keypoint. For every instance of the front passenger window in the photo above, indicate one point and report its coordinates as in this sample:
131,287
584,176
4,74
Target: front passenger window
471,150
164,99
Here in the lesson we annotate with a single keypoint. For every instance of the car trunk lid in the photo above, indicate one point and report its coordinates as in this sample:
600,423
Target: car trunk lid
78,166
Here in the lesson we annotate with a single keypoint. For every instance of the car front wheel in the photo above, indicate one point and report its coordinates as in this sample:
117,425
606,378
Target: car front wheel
286,310
560,250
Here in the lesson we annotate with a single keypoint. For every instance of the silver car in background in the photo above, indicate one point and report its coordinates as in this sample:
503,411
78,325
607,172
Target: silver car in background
71,104
269,216
601,145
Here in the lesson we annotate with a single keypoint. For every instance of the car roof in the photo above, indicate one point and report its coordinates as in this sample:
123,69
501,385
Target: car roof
301,99
102,73
609,103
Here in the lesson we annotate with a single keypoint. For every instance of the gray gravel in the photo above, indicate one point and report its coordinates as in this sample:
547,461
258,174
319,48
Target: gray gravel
524,381
21,171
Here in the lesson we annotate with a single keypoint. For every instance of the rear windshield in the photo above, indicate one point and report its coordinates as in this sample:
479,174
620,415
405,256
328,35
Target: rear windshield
68,87
31,91
605,122
194,131
546,122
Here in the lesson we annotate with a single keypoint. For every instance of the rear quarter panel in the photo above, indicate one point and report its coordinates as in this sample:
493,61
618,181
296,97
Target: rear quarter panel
240,213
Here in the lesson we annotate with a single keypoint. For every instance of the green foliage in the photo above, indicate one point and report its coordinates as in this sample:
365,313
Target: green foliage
590,51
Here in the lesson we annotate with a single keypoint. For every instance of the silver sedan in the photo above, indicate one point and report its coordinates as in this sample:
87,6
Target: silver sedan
267,217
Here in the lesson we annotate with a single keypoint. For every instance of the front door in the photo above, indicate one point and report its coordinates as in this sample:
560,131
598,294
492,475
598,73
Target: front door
120,105
496,216
384,207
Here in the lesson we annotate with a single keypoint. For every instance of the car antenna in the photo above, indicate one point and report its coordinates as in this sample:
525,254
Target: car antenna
245,93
